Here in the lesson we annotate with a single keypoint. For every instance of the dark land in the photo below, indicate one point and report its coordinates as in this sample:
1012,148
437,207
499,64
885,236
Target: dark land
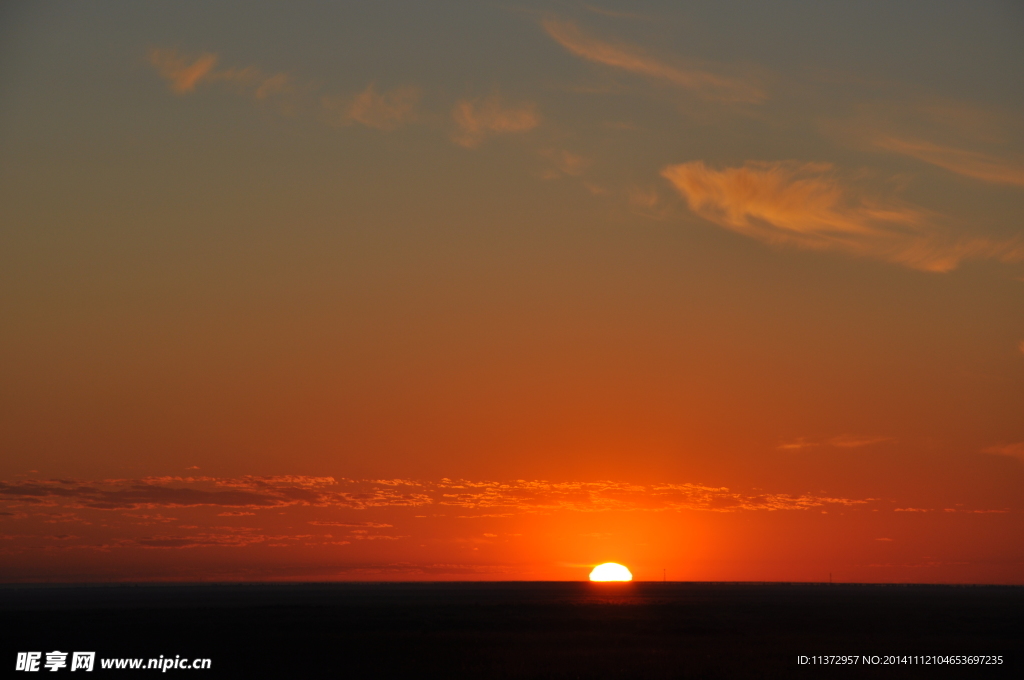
521,630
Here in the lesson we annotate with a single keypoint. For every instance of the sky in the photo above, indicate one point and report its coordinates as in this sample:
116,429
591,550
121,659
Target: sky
503,290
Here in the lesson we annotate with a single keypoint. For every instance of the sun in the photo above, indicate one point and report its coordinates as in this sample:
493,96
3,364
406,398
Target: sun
609,571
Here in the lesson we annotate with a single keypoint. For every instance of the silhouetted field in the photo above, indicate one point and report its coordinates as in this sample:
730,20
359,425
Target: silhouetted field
521,630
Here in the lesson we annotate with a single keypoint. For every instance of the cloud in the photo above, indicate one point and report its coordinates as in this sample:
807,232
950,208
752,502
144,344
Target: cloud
235,539
805,205
135,496
372,525
493,498
848,441
646,200
629,58
964,119
244,492
843,441
1014,450
183,74
153,519
364,535
565,162
796,445
383,111
961,161
262,85
946,134
476,119
321,504
543,497
178,72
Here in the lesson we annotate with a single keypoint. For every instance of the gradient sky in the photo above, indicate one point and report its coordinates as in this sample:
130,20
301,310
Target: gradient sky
464,290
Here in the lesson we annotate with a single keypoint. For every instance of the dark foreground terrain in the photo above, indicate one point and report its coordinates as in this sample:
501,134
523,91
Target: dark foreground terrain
519,630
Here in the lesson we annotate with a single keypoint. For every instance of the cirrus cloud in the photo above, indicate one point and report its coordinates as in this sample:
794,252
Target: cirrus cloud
807,205
843,441
182,75
476,119
383,111
1014,450
974,164
703,83
524,496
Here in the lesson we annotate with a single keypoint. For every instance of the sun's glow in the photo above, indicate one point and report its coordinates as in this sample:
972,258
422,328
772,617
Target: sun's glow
610,571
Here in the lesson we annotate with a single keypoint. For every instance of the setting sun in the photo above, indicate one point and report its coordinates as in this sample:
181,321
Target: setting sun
610,571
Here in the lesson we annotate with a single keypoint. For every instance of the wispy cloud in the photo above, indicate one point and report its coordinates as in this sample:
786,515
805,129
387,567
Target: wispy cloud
974,164
299,512
332,502
797,445
849,441
238,537
262,493
565,163
543,496
1014,450
365,535
244,492
707,85
644,199
474,119
806,205
183,74
372,525
380,110
477,118
843,441
383,111
956,136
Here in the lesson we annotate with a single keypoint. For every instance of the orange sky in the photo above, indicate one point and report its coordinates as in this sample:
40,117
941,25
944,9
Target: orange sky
480,292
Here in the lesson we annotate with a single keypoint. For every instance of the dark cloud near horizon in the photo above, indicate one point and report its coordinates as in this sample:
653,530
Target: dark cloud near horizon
139,495
536,496
246,492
